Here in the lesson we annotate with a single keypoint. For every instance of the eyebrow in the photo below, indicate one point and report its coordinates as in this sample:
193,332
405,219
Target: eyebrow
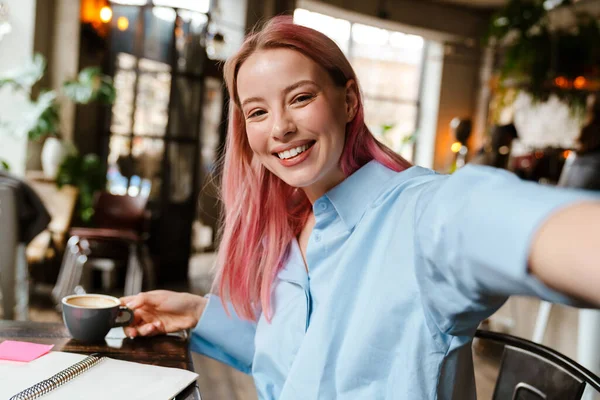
285,91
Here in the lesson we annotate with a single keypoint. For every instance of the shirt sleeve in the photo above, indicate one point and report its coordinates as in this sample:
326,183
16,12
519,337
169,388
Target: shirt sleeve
226,338
473,236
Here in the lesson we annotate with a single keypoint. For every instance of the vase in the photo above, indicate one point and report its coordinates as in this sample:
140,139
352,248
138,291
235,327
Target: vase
54,152
34,155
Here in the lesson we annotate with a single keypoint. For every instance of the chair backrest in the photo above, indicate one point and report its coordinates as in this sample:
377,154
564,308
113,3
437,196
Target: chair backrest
530,371
120,211
9,234
581,171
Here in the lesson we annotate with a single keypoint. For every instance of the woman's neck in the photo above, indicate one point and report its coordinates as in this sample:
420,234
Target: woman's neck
318,189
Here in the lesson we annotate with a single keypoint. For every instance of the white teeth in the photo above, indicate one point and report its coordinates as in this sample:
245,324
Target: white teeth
292,152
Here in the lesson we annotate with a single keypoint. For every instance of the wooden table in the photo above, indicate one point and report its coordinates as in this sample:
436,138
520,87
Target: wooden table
165,351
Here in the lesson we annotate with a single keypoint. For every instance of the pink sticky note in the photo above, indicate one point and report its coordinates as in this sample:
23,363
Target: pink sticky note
22,351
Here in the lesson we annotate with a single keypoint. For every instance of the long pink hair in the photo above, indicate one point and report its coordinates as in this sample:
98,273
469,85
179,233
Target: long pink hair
263,214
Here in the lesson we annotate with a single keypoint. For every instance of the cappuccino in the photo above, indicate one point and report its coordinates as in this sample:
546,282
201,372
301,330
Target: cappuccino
88,301
89,317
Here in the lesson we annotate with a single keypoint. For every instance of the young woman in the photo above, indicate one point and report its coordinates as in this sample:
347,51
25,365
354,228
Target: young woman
343,271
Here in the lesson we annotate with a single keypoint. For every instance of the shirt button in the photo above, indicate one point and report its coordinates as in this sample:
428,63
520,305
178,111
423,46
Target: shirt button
322,206
317,237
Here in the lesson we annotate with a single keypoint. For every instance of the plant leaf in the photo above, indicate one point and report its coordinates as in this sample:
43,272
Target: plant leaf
78,92
42,119
26,76
89,74
88,174
89,86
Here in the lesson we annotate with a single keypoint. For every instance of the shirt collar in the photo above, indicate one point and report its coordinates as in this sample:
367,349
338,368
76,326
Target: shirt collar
358,191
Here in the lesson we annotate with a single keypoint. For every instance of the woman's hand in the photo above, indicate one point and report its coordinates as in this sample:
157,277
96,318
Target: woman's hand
565,252
162,311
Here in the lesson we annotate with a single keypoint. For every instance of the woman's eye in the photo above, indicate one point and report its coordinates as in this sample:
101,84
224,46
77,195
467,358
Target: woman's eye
303,97
256,113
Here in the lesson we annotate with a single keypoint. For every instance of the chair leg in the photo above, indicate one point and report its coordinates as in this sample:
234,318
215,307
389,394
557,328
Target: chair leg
77,273
22,286
134,275
588,347
8,255
148,266
541,322
82,257
7,283
71,270
66,270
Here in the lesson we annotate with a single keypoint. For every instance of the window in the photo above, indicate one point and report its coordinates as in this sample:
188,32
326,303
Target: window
388,65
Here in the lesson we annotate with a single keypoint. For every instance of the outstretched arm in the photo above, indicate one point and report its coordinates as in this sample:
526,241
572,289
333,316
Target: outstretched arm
485,235
565,252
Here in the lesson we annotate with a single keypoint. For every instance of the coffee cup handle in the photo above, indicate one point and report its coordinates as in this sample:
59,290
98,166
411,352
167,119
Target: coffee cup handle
124,310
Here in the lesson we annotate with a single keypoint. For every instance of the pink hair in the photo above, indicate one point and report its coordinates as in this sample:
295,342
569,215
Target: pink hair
262,214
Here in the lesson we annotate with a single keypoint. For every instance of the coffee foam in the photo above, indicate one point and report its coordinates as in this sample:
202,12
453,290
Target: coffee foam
92,302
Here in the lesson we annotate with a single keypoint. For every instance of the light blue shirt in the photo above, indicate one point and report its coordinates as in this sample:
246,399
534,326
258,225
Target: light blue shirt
402,268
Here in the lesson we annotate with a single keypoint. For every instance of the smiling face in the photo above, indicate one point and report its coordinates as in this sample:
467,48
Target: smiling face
295,118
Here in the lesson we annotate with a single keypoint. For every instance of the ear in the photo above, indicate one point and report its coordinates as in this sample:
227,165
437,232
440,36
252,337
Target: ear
351,99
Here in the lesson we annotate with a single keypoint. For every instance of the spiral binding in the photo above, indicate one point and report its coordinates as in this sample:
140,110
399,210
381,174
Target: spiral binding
57,380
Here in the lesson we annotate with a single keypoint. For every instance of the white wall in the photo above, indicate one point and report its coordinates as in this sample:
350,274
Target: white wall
430,100
65,57
458,98
231,21
16,49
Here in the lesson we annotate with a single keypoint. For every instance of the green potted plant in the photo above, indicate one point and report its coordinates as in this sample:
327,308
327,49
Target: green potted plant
543,58
42,118
88,174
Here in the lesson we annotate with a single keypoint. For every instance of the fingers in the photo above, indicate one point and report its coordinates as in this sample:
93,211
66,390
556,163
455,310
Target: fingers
150,329
127,299
152,298
147,329
138,318
130,332
135,301
144,324
145,313
141,317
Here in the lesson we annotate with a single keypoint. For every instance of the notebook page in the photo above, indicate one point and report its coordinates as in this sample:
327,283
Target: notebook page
16,376
116,379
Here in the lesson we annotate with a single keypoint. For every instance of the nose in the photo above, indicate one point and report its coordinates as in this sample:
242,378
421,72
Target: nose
283,125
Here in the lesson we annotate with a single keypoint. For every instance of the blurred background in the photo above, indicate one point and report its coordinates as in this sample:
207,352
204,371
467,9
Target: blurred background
113,119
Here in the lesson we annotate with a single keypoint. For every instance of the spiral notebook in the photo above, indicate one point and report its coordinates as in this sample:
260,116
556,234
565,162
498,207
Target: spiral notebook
68,376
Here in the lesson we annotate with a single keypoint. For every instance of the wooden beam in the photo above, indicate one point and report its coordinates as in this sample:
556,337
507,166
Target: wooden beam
261,10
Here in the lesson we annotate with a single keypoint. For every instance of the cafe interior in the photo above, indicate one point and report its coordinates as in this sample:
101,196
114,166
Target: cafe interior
113,117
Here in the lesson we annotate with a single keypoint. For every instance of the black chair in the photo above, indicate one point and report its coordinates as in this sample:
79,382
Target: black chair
530,371
119,235
582,171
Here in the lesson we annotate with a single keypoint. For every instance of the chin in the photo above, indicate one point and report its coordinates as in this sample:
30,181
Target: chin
298,179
